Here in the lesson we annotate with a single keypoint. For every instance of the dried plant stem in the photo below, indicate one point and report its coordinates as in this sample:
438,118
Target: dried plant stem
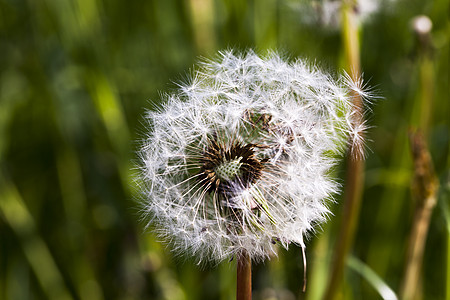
425,184
425,187
355,164
244,277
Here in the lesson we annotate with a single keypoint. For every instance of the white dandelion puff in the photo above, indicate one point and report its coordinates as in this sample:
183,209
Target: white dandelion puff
238,161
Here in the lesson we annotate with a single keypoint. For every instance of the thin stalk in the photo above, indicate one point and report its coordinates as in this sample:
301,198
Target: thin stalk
202,18
425,187
351,37
355,164
350,216
244,277
425,184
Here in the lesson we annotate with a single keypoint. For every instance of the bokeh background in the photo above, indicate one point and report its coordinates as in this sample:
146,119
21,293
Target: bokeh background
76,77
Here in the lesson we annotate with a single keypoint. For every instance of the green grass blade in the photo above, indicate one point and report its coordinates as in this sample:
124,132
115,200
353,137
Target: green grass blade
372,278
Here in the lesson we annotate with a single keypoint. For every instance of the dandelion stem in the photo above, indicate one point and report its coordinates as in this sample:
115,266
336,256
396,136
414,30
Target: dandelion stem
355,164
244,277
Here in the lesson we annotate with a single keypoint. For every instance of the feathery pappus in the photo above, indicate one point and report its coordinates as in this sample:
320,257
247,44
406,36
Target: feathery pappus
239,158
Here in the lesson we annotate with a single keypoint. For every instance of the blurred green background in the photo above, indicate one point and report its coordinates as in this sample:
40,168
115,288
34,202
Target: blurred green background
76,77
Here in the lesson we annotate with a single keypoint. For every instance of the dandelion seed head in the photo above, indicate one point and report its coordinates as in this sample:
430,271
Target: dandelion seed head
240,158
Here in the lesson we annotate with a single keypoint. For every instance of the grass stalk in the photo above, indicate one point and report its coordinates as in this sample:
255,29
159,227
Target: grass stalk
355,164
244,277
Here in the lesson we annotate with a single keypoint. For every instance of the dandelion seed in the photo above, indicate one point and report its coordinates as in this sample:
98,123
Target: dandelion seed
238,161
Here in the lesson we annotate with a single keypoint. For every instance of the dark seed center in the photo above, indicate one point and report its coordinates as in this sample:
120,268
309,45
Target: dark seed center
224,167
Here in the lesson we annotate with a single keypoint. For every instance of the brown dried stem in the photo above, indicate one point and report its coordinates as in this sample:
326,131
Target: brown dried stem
425,186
